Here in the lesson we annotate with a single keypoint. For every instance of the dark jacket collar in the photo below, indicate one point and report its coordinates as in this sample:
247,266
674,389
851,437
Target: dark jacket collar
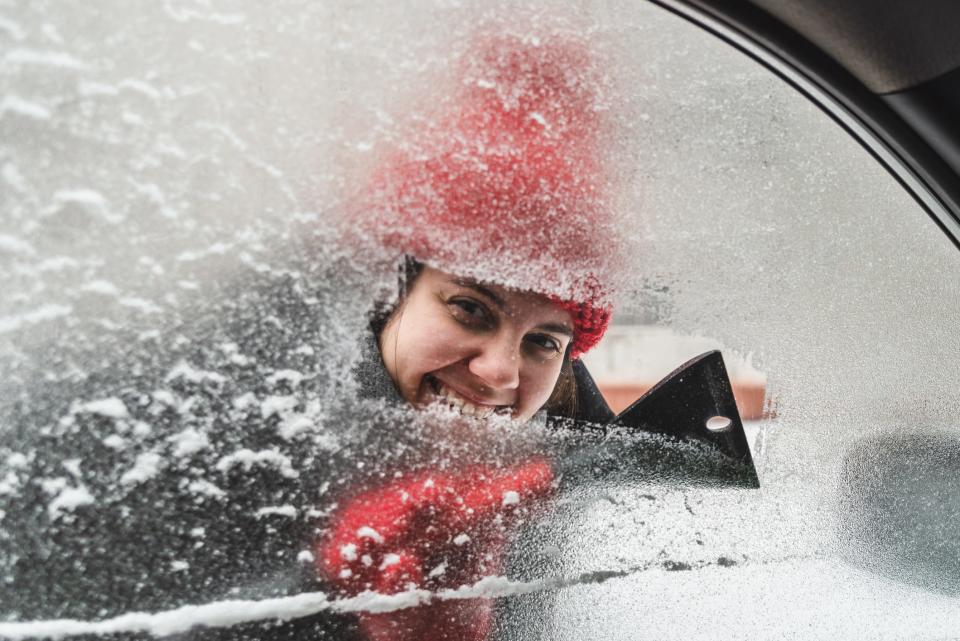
371,373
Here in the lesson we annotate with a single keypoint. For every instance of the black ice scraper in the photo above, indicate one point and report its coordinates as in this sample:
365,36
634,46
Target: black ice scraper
694,404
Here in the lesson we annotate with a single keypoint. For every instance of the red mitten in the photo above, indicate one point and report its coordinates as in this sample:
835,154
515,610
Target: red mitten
434,531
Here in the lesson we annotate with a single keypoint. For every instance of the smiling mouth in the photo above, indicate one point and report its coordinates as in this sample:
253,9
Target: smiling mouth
444,395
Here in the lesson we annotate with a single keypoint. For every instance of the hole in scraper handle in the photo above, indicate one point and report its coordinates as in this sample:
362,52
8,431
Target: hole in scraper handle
718,423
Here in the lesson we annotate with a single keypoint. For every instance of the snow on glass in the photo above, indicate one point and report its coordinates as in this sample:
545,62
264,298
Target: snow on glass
180,417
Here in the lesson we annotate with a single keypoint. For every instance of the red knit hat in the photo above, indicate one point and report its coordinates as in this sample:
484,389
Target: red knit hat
508,184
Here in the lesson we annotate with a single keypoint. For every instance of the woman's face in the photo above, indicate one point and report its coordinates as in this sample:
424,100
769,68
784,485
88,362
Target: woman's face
480,348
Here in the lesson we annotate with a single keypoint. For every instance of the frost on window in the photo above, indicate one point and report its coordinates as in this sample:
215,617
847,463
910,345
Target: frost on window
211,211
206,212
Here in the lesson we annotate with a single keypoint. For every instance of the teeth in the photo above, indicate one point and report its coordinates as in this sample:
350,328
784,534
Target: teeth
462,405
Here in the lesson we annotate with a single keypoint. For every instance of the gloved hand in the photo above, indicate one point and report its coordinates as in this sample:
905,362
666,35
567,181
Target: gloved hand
433,531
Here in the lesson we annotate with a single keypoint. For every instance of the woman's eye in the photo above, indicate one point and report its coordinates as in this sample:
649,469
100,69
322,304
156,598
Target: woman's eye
469,311
543,345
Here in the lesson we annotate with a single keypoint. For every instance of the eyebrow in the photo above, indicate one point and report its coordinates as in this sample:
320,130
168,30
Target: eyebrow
469,283
557,328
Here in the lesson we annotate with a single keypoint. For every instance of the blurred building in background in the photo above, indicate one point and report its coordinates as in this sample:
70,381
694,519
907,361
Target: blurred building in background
632,358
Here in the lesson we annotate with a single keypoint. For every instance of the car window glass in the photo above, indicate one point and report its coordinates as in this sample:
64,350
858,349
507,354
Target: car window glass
766,230
184,414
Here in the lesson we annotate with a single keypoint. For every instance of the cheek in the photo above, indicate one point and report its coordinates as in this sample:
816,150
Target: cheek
429,346
539,384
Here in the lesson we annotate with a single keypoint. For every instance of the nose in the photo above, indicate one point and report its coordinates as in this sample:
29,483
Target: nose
497,363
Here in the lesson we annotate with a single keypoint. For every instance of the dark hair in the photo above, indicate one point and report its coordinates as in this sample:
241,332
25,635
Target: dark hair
563,400
383,310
